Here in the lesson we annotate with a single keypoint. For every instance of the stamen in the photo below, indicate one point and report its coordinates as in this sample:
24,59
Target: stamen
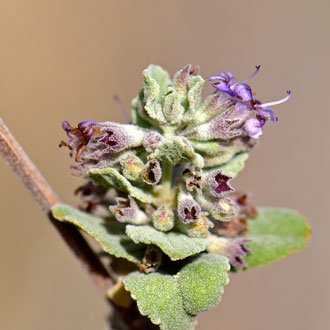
265,105
122,108
252,75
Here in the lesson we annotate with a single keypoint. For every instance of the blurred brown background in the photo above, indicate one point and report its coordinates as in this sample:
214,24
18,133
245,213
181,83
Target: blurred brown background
64,59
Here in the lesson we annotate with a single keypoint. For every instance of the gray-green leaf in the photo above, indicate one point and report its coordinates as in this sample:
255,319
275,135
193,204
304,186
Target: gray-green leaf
176,245
173,301
202,282
274,234
110,177
109,234
158,297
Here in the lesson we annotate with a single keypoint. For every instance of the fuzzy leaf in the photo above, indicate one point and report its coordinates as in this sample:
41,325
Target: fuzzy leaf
274,234
109,177
176,245
156,81
110,234
194,97
172,301
202,281
158,297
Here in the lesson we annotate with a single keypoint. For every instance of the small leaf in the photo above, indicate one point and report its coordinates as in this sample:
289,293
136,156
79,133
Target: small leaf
274,234
202,281
109,177
110,234
173,301
158,297
176,245
156,81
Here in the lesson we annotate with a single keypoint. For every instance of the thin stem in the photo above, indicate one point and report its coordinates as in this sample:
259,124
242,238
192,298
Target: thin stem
45,197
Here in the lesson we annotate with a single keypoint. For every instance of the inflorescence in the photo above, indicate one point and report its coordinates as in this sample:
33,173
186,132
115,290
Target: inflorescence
169,168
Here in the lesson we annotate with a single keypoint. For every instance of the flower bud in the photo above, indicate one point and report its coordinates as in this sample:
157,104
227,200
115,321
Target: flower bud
132,168
163,219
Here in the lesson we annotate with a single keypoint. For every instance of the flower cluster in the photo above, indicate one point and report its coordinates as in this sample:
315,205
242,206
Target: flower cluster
171,169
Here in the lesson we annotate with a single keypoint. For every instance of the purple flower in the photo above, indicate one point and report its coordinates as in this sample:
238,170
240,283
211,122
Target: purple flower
188,209
255,112
115,138
236,249
253,127
79,136
217,183
225,82
125,209
233,248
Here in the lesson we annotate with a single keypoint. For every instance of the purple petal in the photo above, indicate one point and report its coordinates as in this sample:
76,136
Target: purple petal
189,210
67,127
125,209
236,250
223,86
267,114
218,183
217,77
230,78
116,138
243,92
253,128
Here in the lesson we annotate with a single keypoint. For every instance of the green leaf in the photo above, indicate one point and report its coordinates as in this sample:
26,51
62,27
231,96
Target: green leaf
158,297
156,82
109,177
176,245
110,234
173,301
274,234
202,282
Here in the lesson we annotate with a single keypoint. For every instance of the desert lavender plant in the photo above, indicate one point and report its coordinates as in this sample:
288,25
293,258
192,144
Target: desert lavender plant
160,201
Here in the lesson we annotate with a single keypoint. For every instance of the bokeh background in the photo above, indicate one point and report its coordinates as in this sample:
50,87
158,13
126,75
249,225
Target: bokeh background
64,59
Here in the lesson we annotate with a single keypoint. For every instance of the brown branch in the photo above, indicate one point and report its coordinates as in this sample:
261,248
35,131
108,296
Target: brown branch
122,318
45,197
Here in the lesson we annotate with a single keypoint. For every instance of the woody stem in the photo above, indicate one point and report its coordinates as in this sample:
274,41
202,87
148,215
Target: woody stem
45,197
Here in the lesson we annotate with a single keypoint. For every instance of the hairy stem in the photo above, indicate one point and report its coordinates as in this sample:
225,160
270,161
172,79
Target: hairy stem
45,197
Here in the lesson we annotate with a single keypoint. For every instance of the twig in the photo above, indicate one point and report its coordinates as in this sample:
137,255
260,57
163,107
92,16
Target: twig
122,318
46,198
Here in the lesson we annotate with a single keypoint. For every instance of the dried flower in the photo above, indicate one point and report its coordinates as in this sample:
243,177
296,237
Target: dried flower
127,210
234,249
